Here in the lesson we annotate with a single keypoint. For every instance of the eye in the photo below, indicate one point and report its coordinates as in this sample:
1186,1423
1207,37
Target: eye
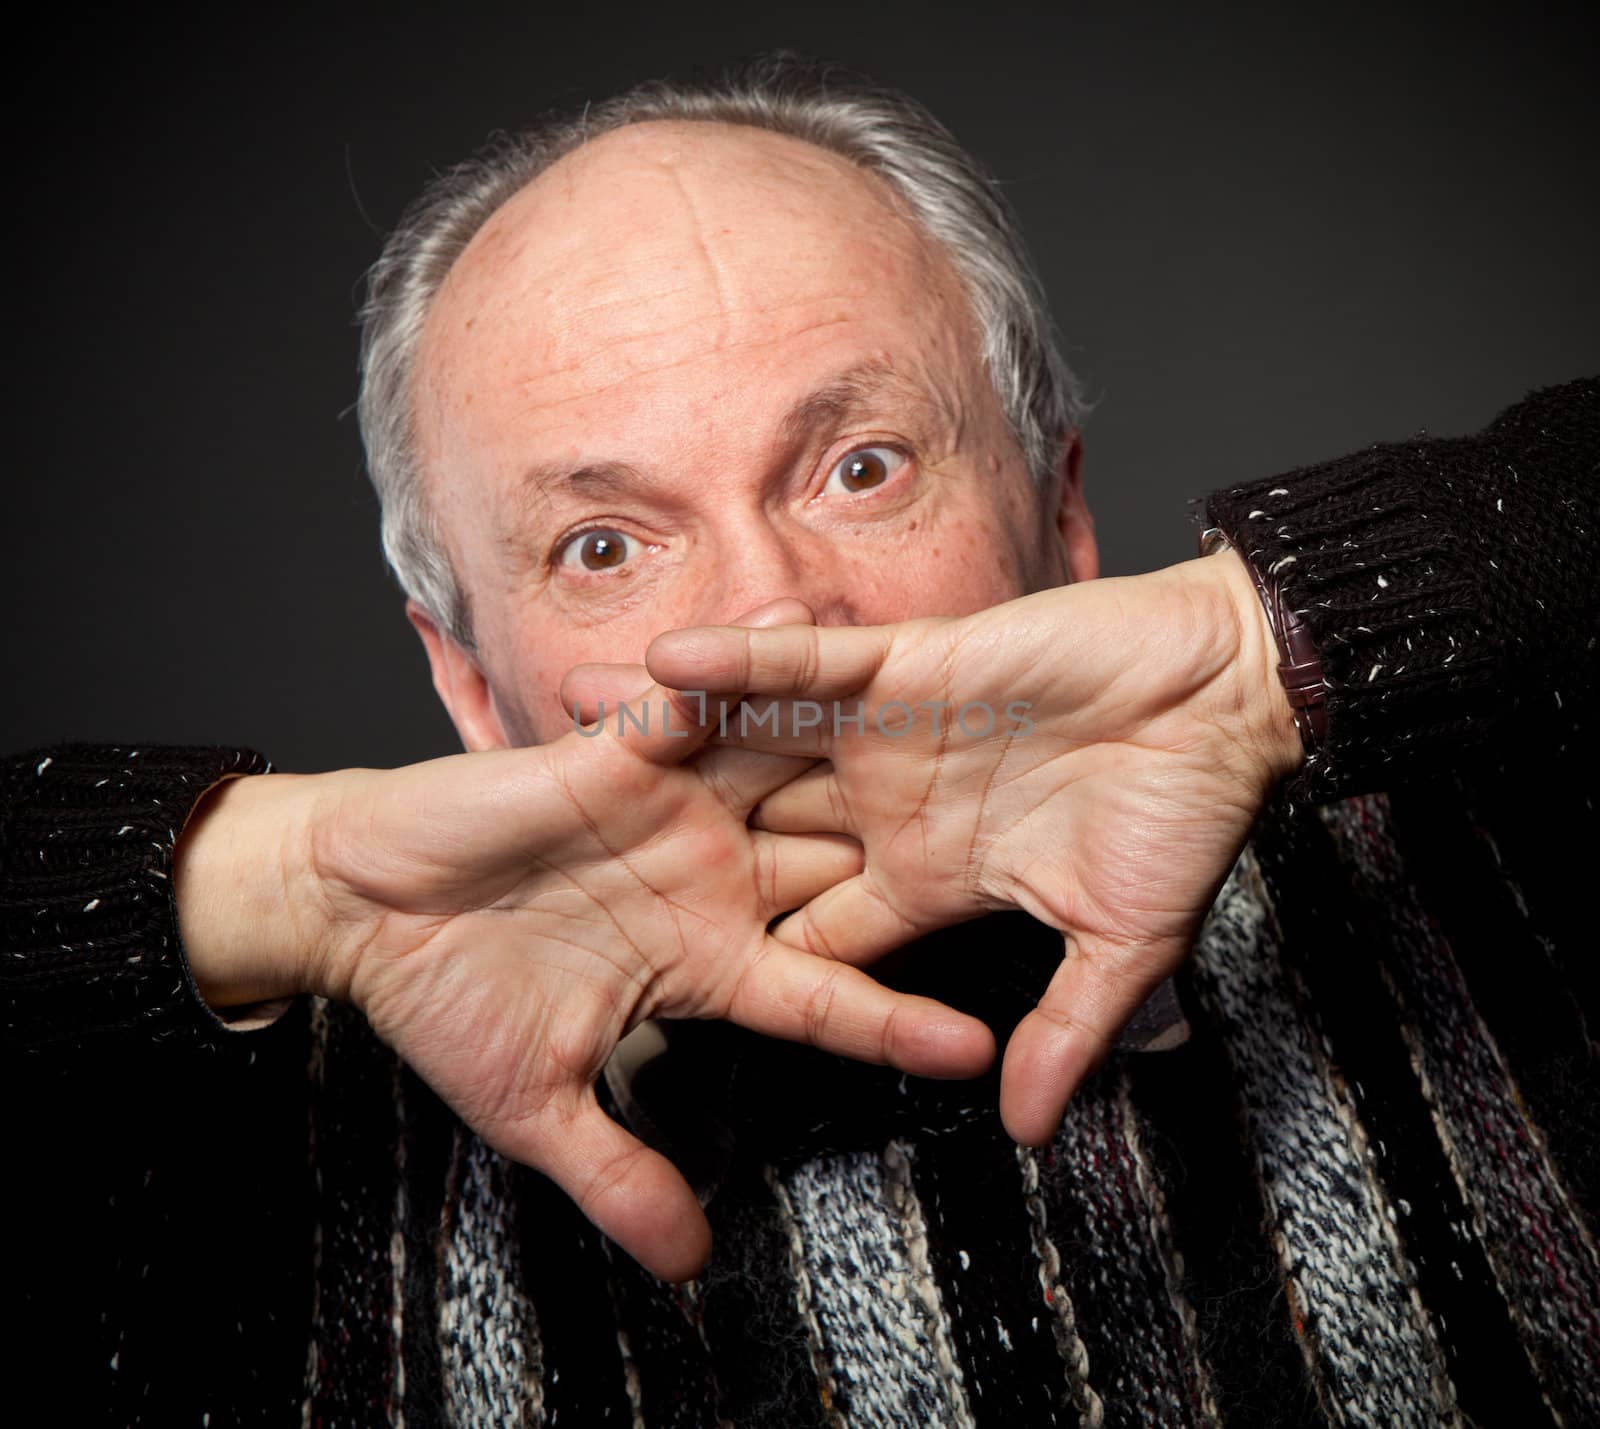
863,469
601,549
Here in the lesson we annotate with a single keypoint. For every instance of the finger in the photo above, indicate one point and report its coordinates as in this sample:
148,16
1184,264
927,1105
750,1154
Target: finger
820,662
742,778
803,728
686,715
790,994
850,923
632,1194
792,869
815,727
662,726
785,610
809,804
585,685
1097,988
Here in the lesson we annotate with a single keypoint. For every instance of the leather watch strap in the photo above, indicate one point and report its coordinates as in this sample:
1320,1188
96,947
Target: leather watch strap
1299,661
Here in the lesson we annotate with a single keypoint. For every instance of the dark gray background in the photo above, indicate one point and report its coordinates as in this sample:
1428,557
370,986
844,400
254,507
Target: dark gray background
1268,238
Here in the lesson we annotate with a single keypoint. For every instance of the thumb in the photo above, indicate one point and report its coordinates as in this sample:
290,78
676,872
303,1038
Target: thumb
1100,984
632,1194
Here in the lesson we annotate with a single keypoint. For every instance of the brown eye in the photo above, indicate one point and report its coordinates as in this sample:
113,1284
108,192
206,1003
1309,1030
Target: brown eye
597,550
864,468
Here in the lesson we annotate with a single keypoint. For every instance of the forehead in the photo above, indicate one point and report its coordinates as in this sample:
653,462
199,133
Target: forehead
673,272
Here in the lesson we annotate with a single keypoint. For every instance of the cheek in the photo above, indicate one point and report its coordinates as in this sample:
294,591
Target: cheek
527,682
950,567
531,681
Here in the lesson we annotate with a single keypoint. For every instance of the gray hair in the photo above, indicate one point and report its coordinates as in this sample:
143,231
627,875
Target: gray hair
887,133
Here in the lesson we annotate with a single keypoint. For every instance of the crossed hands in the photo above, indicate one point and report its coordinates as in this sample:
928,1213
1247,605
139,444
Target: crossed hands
503,919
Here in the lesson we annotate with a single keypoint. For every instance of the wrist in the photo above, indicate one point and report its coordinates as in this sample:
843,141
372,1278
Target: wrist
1269,716
238,869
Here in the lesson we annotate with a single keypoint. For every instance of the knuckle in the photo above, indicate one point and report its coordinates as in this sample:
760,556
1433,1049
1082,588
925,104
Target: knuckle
614,1173
764,864
1061,1019
890,1037
716,780
747,657
820,1003
1094,1035
771,875
572,1053
818,942
809,659
833,797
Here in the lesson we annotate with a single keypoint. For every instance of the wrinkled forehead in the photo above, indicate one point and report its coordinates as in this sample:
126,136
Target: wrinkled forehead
666,252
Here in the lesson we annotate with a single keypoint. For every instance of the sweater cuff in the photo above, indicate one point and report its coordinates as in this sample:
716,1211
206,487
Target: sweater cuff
89,945
1389,593
1449,587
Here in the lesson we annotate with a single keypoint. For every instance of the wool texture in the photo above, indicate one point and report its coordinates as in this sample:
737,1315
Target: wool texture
1364,1192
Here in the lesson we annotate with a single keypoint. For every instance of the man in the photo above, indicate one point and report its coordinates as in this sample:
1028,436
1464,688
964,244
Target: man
771,357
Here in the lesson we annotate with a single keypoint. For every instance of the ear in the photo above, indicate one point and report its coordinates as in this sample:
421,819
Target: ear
1072,523
462,686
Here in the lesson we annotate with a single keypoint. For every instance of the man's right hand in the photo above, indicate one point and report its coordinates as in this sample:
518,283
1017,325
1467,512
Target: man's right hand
504,918
1156,730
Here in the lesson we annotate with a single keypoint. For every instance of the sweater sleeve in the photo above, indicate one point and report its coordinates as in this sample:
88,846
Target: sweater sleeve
89,944
1452,586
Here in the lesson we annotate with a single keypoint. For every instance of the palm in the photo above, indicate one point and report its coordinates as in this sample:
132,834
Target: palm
507,917
1115,819
510,990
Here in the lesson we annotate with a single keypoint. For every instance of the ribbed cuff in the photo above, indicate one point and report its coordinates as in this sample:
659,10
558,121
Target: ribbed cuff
1389,594
1449,585
89,945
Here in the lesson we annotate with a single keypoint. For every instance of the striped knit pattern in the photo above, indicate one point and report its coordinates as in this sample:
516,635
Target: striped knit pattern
1103,1202
898,1157
1366,1337
1063,1317
665,1327
488,1332
938,1275
1542,1253
877,1312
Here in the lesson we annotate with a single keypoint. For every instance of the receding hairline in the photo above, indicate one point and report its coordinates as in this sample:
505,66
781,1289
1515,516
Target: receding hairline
954,206
931,251
712,127
754,135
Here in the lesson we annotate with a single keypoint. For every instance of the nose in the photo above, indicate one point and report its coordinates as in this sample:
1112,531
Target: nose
753,559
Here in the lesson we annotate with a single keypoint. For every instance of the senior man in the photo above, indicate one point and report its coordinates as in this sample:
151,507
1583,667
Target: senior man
763,365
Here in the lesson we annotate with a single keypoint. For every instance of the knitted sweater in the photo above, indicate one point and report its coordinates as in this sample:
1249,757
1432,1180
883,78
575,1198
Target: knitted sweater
1364,1191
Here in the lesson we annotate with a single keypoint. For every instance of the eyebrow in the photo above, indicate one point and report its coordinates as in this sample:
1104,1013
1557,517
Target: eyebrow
604,478
846,394
842,397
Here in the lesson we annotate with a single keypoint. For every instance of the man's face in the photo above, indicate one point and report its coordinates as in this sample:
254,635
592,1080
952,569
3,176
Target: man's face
693,368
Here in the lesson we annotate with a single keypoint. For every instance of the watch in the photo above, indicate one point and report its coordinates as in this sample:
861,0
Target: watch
1299,662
